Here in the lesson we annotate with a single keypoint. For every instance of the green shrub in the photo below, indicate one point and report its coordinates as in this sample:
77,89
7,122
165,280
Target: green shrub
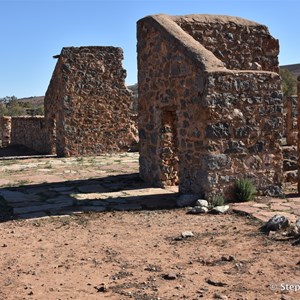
218,200
243,190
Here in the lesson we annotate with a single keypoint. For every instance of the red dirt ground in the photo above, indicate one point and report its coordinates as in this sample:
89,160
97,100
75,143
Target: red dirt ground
129,255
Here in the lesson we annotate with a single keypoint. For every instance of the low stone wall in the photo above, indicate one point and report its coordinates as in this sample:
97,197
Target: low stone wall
29,131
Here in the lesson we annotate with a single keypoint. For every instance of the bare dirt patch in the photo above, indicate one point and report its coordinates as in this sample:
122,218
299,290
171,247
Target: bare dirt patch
141,255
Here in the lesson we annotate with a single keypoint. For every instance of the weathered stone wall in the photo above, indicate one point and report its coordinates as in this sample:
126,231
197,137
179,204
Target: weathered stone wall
5,130
89,110
229,123
245,130
298,141
239,43
291,120
25,130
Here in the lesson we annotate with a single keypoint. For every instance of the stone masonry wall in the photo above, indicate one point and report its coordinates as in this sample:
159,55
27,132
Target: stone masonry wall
229,123
291,120
240,44
5,130
89,110
245,130
30,132
298,140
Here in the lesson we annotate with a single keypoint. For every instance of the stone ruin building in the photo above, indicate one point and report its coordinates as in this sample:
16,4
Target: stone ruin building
210,104
88,109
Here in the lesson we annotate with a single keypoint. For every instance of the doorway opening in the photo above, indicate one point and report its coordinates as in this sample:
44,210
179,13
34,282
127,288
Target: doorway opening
169,149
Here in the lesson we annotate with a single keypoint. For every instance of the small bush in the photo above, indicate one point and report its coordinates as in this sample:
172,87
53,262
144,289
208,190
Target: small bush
218,200
243,190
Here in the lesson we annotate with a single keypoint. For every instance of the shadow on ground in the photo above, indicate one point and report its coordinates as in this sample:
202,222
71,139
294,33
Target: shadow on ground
120,192
17,150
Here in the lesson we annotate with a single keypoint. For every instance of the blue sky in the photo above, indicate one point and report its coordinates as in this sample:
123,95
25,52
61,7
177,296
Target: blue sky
32,31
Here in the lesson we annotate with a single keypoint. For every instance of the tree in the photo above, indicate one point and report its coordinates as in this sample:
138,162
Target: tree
289,83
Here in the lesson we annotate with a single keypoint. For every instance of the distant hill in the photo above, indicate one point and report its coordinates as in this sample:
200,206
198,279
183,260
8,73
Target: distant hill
34,101
294,69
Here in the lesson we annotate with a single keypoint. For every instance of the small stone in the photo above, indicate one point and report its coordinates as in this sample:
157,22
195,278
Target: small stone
277,222
186,234
216,283
271,233
220,209
170,276
4,245
102,288
220,296
198,210
228,258
201,202
297,227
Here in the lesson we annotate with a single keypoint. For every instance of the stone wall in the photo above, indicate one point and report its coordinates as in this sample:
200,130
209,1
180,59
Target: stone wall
5,130
25,130
88,109
228,123
240,44
298,140
291,120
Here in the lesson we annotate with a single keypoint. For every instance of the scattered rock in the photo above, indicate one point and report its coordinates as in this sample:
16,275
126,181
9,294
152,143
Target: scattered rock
187,200
228,258
277,222
220,296
271,233
186,234
202,203
198,210
170,276
297,227
102,288
296,243
220,209
216,283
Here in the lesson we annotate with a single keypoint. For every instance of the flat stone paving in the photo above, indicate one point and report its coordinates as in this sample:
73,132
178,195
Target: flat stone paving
39,187
268,207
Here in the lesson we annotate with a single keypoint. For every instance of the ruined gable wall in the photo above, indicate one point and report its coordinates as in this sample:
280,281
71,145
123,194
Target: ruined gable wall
170,86
238,43
229,124
30,132
96,109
